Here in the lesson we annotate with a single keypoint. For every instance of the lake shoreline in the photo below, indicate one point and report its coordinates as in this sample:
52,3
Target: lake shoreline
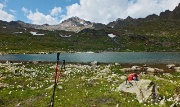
123,65
83,63
54,52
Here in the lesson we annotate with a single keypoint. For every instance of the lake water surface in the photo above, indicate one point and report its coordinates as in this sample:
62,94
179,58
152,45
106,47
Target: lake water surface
105,57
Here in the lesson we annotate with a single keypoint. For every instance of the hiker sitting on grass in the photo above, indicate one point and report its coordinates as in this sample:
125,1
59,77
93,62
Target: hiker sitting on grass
132,76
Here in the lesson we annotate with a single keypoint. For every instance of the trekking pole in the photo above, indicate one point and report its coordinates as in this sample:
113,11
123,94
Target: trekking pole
63,65
55,82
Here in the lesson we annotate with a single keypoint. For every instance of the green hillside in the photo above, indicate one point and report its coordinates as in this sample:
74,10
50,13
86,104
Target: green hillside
133,39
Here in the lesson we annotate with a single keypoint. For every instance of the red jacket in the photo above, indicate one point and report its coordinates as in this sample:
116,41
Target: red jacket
132,76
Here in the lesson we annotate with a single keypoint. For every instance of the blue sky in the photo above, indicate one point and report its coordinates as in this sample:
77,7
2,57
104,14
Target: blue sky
101,11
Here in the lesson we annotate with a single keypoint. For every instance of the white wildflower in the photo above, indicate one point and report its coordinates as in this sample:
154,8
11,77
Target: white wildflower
10,92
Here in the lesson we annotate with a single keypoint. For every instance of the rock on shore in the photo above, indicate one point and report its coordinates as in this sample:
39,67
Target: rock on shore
145,90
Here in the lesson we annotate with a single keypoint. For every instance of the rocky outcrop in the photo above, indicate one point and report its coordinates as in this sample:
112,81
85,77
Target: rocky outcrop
152,17
128,22
166,14
145,90
177,69
74,24
175,14
94,63
171,66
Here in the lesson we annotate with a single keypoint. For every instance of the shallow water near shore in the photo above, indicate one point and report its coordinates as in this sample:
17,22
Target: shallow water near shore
105,57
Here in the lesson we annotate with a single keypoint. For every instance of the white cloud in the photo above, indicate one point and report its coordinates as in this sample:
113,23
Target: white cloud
25,11
13,11
4,15
1,6
104,11
143,8
168,4
98,10
40,18
56,11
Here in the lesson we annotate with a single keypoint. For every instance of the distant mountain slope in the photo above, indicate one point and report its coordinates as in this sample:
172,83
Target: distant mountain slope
74,24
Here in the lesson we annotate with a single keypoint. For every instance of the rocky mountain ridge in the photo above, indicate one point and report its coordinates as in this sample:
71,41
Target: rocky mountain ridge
76,24
129,21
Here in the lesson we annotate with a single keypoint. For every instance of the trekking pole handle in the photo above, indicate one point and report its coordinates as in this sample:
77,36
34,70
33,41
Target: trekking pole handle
58,56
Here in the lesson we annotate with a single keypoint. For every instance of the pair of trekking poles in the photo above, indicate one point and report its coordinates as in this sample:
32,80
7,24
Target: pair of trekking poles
56,77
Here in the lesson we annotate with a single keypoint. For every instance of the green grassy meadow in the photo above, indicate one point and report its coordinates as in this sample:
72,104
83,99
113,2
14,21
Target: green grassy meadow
79,86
